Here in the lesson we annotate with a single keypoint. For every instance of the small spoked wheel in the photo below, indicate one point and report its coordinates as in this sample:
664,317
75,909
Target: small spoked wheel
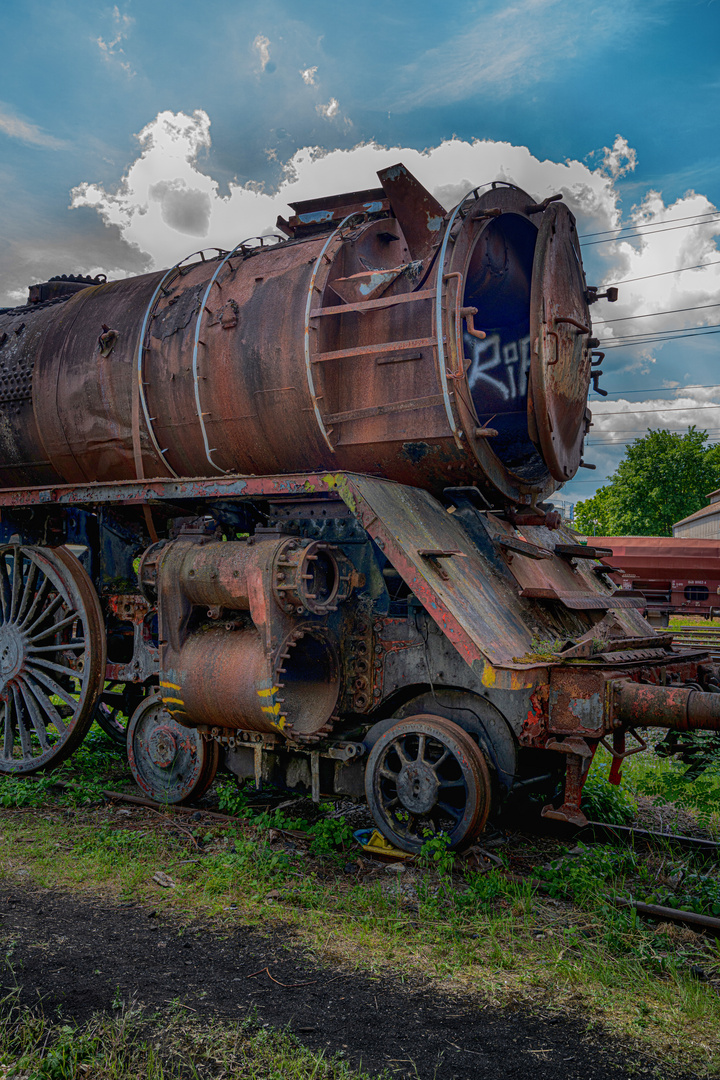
426,776
170,762
52,656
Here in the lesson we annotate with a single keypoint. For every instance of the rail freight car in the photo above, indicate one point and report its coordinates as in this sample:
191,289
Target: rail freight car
286,507
677,575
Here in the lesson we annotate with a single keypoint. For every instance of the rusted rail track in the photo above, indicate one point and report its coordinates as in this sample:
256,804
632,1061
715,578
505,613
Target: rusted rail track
698,637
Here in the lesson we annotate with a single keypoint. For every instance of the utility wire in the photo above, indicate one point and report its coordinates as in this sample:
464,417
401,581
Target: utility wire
649,224
640,412
661,333
641,339
664,273
631,236
652,314
668,389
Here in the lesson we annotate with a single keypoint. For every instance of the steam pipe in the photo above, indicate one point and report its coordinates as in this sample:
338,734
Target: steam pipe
642,705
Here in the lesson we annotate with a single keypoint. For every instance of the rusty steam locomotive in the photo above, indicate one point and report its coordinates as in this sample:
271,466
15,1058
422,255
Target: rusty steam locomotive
284,507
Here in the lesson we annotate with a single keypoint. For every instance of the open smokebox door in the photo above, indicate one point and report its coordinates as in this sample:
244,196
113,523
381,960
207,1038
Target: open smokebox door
559,345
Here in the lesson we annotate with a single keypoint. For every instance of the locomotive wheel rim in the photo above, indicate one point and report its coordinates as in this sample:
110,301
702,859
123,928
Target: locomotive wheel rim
424,776
112,714
170,762
52,657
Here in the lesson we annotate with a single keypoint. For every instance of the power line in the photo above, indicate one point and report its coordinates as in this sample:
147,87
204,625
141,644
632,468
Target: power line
664,273
630,236
626,343
648,224
652,314
688,408
660,333
667,389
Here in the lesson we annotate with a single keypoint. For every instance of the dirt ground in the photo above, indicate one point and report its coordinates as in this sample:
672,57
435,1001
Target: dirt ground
77,957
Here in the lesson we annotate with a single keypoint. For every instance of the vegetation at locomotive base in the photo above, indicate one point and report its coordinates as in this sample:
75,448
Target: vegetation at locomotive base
662,478
517,919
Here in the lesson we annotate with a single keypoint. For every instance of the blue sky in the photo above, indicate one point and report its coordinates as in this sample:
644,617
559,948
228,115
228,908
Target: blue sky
235,94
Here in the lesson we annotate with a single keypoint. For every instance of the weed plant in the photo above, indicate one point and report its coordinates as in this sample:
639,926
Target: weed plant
143,1045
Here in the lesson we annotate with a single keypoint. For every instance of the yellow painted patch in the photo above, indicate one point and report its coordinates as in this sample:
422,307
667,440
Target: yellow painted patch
268,693
173,701
171,685
489,675
272,708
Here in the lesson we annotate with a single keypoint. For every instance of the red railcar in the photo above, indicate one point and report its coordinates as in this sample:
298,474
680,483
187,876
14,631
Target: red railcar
675,574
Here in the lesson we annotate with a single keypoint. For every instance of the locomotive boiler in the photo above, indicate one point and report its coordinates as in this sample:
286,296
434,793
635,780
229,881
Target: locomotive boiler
285,508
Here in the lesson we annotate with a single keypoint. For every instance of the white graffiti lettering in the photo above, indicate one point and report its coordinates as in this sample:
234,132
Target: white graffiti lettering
509,364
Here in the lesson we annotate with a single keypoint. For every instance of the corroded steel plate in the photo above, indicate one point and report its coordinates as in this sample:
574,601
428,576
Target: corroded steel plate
559,335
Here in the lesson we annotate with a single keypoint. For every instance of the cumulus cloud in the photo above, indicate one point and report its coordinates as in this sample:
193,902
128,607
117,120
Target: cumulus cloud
16,128
620,158
111,49
667,273
182,208
308,76
165,196
329,111
171,146
261,45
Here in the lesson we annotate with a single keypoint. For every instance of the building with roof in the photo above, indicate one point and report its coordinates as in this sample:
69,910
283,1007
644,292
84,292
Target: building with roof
703,524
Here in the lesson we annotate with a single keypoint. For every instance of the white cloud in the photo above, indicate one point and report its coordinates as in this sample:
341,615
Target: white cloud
330,110
16,128
164,197
171,144
620,158
657,303
112,50
261,44
308,75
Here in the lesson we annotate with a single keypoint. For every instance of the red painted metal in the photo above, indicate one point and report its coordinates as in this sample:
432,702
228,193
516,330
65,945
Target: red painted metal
675,574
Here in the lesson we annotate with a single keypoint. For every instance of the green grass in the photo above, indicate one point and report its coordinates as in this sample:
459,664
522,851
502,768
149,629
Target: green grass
475,932
554,935
168,1045
663,780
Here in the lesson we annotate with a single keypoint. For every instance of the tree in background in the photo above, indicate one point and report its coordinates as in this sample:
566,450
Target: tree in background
662,478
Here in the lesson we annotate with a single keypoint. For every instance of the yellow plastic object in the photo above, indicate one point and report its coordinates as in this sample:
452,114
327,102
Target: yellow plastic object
380,848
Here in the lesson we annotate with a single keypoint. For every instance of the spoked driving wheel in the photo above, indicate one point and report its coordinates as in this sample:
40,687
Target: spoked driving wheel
170,762
52,656
426,776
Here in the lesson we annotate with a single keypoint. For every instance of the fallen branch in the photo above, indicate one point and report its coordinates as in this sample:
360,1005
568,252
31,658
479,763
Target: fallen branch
286,986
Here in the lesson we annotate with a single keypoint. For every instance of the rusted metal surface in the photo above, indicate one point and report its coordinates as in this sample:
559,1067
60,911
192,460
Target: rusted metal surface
681,709
269,673
675,574
559,332
421,216
307,480
249,363
425,775
170,762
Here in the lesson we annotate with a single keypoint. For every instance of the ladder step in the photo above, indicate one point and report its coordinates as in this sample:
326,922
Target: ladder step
373,350
372,305
392,407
